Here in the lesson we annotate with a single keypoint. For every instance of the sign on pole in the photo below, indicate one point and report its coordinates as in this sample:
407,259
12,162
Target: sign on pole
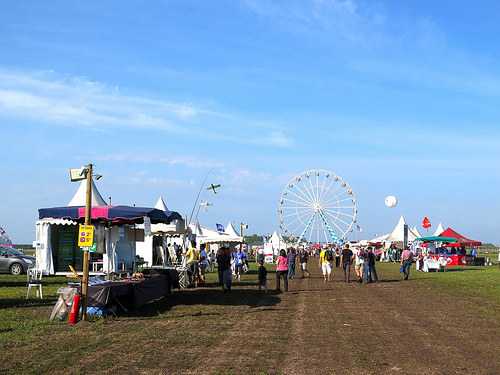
86,236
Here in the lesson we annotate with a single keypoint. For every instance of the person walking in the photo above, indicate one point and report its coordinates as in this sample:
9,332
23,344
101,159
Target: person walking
304,257
224,268
326,258
338,255
203,263
282,271
192,259
371,272
239,261
359,263
292,257
346,260
262,276
406,261
212,259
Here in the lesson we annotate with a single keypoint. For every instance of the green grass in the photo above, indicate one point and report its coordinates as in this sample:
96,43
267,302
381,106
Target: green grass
474,282
41,345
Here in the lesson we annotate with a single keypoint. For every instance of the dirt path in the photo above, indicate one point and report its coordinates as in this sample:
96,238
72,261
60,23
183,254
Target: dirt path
391,327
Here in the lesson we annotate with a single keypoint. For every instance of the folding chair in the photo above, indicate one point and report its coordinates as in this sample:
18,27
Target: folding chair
34,281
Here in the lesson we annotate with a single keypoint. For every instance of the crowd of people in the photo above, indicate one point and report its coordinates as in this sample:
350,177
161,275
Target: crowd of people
233,263
229,262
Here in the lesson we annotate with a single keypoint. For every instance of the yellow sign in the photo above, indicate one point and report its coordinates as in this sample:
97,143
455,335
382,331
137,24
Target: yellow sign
86,235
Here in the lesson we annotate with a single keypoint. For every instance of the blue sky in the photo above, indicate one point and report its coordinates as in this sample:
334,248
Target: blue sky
398,98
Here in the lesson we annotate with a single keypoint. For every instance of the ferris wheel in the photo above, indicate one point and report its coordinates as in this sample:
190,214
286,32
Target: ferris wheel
317,206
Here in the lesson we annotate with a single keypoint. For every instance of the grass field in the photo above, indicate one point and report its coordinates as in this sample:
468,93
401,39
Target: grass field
206,331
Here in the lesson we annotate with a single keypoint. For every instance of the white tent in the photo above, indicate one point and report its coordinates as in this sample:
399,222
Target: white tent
416,232
116,243
277,243
154,246
207,236
161,205
379,239
79,199
397,234
231,232
439,229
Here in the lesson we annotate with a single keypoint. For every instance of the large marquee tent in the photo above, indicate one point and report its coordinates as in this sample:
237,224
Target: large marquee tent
115,233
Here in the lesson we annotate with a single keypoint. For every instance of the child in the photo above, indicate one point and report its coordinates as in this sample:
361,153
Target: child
262,276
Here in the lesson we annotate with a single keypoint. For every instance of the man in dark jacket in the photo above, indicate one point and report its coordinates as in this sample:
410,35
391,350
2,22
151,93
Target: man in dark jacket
372,271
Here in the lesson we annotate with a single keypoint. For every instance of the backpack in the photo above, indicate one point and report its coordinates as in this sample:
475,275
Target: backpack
329,255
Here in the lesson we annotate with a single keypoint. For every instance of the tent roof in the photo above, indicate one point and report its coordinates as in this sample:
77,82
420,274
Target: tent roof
439,229
114,214
161,205
436,239
205,235
416,232
79,199
460,238
397,234
380,238
231,232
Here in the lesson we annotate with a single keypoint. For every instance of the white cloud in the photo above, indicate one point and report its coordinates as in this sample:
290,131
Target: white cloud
341,19
72,101
278,139
183,161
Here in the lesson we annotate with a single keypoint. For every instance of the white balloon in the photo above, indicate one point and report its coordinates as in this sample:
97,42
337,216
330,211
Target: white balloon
391,201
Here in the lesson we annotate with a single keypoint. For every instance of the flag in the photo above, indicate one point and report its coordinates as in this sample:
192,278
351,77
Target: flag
220,228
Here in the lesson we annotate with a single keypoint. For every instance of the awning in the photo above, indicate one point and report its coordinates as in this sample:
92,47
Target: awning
457,237
114,214
436,239
53,221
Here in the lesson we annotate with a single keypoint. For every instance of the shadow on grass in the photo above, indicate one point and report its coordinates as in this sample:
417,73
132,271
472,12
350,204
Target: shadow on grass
6,303
23,283
208,297
458,269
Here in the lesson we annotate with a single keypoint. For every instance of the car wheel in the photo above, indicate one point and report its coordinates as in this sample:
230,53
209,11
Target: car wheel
16,269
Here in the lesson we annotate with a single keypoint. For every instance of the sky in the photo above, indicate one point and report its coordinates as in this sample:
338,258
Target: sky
398,98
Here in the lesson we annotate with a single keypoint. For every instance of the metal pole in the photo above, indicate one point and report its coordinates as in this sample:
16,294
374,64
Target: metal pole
86,257
242,238
199,194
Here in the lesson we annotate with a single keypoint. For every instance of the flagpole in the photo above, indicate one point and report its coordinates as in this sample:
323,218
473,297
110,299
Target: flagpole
199,194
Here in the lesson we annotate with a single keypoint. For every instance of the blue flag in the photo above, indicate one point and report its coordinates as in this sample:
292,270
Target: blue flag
220,228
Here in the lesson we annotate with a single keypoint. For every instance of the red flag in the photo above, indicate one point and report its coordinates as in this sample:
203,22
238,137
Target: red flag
426,223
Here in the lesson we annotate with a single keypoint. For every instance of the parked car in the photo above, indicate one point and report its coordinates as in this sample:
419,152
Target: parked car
14,261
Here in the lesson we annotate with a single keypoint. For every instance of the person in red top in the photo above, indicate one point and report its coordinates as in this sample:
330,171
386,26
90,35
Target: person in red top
406,261
282,270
